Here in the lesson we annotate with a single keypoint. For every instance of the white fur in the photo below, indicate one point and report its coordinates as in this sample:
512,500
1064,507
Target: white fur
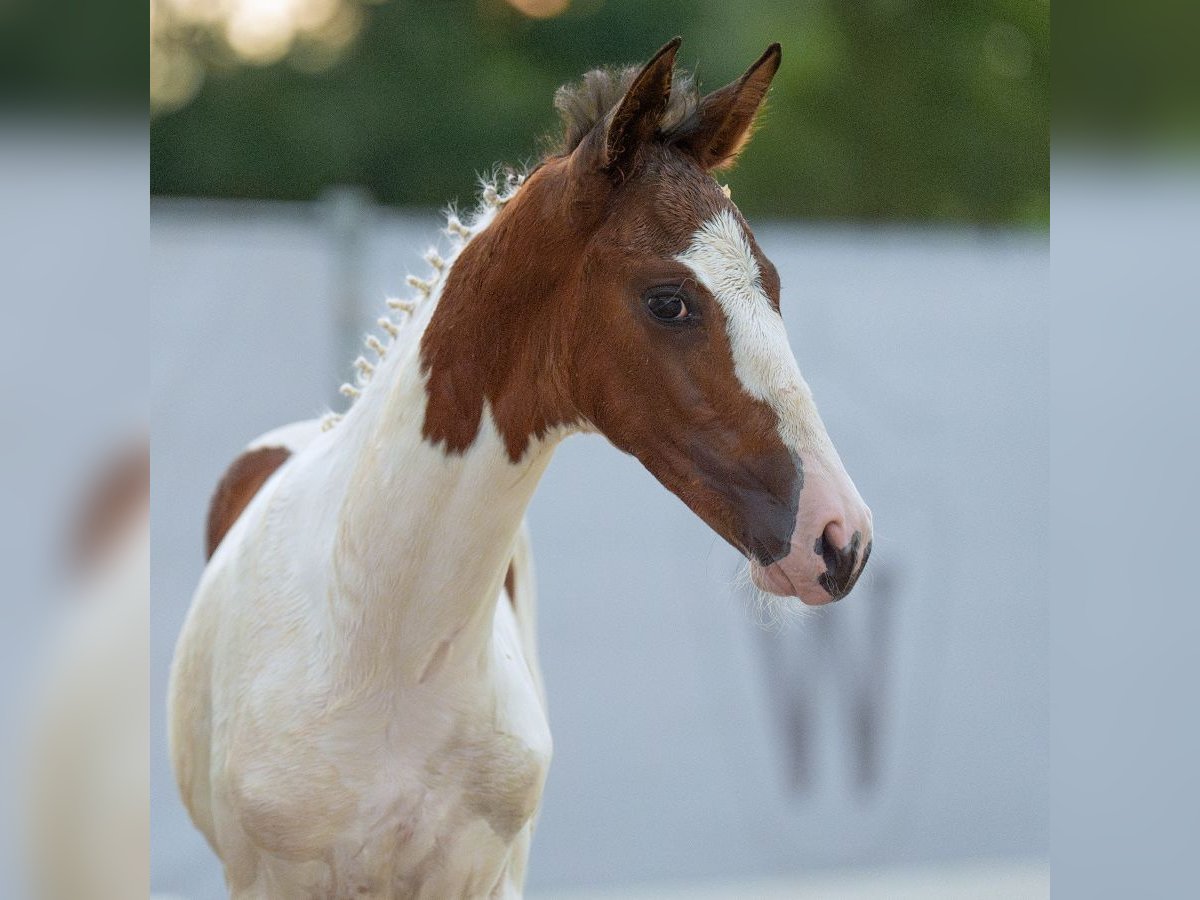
353,712
722,260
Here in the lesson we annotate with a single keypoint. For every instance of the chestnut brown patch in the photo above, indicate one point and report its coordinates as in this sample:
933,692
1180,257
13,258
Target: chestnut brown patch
117,495
237,488
493,338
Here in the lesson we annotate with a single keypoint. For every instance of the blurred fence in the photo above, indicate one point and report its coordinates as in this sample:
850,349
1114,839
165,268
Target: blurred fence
907,725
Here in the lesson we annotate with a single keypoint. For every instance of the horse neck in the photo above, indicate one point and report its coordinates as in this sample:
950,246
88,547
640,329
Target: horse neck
425,531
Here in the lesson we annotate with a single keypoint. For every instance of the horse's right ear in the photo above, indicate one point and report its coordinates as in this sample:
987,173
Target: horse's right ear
638,115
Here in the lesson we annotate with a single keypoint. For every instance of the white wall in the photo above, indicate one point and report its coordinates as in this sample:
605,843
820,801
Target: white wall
906,725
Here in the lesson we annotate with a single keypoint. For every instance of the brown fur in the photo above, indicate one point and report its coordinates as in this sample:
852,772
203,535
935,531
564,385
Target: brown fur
542,318
237,488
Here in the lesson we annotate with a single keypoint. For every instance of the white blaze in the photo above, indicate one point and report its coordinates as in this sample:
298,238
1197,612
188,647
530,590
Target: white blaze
723,262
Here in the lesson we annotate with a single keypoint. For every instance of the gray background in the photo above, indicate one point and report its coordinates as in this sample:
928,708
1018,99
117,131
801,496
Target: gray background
906,726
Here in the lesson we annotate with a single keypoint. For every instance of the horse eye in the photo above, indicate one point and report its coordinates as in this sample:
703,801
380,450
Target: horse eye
667,304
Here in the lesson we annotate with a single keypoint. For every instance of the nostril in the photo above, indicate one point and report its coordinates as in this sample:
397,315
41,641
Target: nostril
834,534
841,558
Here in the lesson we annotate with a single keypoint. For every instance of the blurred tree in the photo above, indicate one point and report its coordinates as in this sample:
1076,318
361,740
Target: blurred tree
883,109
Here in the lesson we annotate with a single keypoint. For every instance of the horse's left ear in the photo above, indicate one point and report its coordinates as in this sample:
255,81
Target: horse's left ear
726,117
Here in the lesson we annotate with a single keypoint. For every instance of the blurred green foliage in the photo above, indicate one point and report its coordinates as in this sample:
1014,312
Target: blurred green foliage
917,110
1126,75
71,56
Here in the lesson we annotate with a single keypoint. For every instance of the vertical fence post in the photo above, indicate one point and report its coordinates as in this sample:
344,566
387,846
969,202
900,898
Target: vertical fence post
346,212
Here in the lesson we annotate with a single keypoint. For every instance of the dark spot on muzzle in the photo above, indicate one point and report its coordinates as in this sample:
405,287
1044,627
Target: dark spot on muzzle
767,499
842,566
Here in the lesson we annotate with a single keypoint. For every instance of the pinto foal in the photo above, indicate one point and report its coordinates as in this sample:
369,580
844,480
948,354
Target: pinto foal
356,705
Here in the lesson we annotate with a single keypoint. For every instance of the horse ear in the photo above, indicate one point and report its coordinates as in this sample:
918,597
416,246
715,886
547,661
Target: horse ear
726,117
640,111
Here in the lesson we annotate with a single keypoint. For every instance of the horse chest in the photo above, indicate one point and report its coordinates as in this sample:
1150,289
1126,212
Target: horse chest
450,818
423,804
461,821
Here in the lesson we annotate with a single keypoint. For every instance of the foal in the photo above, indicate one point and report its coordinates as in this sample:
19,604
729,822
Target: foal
356,706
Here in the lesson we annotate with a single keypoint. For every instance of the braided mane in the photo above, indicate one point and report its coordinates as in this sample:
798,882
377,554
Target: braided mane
496,190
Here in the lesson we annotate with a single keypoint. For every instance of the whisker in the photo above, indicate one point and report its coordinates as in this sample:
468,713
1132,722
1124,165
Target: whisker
762,608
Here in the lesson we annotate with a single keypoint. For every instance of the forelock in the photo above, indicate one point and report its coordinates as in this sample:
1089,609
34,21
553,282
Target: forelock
583,105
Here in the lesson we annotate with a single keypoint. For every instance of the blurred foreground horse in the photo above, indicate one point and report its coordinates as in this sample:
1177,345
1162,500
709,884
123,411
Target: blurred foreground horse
356,704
